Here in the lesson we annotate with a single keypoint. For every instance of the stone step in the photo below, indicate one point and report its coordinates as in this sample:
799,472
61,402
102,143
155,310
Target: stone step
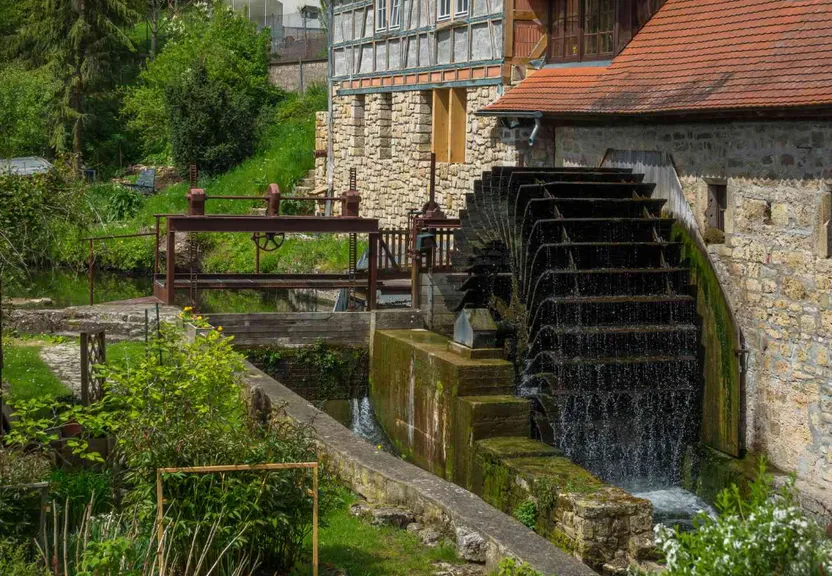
493,416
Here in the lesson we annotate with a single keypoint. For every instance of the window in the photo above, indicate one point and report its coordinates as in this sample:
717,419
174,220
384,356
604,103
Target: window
385,8
450,124
395,11
443,9
381,14
717,205
590,30
599,25
461,8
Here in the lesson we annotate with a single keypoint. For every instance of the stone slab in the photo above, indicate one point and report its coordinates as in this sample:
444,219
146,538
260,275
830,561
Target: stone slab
385,479
476,353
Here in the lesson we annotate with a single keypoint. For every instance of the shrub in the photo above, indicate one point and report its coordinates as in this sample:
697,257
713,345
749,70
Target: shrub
187,410
19,507
221,40
39,213
512,567
24,106
211,124
16,560
767,533
526,513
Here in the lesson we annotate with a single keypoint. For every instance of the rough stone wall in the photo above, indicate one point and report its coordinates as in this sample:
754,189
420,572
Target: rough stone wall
287,75
393,165
774,263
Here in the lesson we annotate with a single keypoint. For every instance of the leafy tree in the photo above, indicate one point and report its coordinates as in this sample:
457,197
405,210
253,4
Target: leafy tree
229,48
212,126
24,105
75,39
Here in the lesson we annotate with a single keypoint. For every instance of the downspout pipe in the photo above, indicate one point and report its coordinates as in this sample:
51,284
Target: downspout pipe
330,162
535,130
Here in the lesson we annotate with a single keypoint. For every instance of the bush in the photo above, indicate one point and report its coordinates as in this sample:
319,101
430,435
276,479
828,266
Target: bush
16,560
19,507
187,410
24,106
40,213
211,124
222,41
767,533
511,567
526,513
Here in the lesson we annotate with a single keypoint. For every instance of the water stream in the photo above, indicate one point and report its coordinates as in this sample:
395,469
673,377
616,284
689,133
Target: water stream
601,304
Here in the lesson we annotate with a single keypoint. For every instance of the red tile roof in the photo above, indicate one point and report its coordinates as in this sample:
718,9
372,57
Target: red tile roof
699,56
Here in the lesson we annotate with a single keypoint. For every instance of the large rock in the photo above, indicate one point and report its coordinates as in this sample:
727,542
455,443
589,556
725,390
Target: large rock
397,517
470,544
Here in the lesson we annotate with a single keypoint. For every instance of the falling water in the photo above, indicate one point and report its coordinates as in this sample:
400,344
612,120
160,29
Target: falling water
608,322
365,425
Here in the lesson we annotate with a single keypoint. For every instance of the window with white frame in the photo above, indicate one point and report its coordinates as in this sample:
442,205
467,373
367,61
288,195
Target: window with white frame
395,13
443,9
381,14
385,8
461,8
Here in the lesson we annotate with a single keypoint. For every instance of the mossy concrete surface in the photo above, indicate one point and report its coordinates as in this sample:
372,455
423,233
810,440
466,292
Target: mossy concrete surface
721,409
414,381
458,418
574,509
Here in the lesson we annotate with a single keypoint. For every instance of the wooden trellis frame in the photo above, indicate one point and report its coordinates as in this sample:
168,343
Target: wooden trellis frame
160,500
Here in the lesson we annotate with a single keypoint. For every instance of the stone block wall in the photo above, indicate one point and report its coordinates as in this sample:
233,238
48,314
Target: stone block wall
393,168
287,75
774,263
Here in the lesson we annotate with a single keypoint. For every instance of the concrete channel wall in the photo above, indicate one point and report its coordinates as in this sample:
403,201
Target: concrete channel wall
385,479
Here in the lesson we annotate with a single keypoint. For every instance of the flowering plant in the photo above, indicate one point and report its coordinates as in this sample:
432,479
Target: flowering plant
189,317
765,533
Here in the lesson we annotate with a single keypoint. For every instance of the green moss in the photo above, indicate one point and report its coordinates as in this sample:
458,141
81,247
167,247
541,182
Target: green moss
708,471
721,398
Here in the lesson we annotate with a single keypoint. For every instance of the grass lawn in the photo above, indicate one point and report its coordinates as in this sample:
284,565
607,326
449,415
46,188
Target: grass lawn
352,544
124,353
26,373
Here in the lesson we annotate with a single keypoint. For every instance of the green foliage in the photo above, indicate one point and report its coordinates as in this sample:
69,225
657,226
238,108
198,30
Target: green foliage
188,411
16,560
108,557
765,533
19,505
24,108
512,567
79,43
211,124
226,44
526,513
81,488
39,213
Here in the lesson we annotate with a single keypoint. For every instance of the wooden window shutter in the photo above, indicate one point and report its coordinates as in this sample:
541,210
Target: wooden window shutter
458,124
441,124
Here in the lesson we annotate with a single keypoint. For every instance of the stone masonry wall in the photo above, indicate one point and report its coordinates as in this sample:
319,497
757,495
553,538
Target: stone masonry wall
393,162
774,264
287,75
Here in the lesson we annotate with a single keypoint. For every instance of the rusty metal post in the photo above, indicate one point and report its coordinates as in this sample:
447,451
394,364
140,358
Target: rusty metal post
91,273
156,254
196,202
170,265
372,282
415,293
256,258
273,202
351,201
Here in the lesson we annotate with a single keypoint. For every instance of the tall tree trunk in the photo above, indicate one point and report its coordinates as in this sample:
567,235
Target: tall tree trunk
76,128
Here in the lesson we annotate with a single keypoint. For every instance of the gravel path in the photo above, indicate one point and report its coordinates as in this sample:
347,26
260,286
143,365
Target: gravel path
65,361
